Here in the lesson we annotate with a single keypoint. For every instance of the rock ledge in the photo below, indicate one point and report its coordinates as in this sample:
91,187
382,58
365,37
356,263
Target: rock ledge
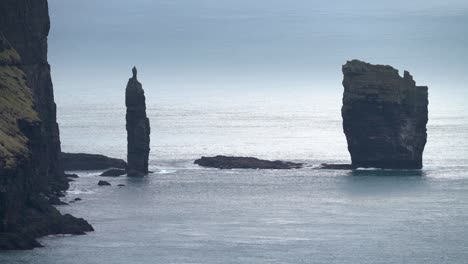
226,162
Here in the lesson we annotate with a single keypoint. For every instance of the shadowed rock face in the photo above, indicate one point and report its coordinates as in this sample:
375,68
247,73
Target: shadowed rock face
138,128
384,117
26,24
31,175
224,162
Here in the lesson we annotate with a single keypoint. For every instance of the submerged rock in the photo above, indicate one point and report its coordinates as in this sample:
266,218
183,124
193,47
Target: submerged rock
138,128
104,183
82,161
113,173
225,162
326,166
384,117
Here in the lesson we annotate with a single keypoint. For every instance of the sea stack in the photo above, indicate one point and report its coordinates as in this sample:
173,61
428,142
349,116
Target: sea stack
384,117
138,128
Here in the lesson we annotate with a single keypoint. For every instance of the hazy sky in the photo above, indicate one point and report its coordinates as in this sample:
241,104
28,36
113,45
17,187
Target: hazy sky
253,46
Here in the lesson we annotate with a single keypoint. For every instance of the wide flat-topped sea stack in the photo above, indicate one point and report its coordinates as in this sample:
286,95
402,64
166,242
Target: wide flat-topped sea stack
138,128
225,162
384,117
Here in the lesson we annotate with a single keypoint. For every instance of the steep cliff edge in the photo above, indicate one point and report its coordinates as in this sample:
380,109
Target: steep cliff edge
26,25
30,171
384,117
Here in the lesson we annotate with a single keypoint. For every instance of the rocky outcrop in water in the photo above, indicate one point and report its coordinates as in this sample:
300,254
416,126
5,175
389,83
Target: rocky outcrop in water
31,175
225,162
384,117
138,128
327,166
104,183
113,173
82,161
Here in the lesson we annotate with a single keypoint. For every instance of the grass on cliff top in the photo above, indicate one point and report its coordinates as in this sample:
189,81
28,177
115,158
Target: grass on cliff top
16,102
9,56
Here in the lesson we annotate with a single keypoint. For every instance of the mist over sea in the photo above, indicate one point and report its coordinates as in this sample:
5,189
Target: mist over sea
256,78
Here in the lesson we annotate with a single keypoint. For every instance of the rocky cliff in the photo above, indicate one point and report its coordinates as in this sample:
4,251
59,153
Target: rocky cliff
138,128
384,117
30,170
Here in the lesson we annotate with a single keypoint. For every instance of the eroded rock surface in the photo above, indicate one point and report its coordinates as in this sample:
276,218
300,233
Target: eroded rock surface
384,117
138,128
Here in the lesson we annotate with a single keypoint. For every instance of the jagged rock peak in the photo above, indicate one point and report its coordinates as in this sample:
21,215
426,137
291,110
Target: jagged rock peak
134,71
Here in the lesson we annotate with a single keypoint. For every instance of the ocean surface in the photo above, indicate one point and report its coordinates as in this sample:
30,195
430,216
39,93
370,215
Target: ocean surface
186,214
256,78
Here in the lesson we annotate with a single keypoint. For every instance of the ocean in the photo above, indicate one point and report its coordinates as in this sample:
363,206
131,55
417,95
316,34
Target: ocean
256,78
187,214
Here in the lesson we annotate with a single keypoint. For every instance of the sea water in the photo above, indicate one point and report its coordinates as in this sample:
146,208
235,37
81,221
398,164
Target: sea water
256,78
187,214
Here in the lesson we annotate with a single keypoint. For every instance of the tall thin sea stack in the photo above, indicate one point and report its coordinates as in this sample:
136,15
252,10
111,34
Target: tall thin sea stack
138,128
384,117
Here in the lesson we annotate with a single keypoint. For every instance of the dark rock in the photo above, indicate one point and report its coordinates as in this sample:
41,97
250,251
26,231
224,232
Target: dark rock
113,173
54,200
78,199
104,183
73,176
326,166
121,185
384,117
32,176
81,161
225,162
134,173
138,128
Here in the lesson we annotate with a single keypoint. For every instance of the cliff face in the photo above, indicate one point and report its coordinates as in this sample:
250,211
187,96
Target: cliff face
26,24
30,170
138,128
384,117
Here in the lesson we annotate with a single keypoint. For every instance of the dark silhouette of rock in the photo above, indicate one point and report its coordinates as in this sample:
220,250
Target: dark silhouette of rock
31,174
326,166
72,176
384,117
81,161
54,200
225,162
78,199
121,185
113,173
138,128
104,183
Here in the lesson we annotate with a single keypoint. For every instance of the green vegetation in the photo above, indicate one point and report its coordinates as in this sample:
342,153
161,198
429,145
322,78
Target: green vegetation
9,56
16,103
